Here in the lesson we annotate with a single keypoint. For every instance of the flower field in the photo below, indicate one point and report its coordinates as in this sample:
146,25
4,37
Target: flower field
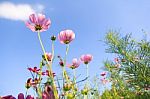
128,73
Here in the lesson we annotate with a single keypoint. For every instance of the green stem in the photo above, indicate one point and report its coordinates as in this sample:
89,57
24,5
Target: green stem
87,82
67,49
39,92
52,51
25,94
87,72
42,46
85,96
49,65
64,67
74,74
55,89
40,73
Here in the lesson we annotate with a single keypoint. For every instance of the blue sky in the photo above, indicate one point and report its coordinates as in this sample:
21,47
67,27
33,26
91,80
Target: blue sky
89,19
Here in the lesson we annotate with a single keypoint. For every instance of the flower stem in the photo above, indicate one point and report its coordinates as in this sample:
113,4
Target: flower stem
49,65
40,76
54,85
74,74
85,96
42,46
25,94
87,72
52,51
67,49
64,67
74,81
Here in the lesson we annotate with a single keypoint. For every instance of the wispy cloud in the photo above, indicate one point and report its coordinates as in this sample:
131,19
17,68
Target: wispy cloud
21,12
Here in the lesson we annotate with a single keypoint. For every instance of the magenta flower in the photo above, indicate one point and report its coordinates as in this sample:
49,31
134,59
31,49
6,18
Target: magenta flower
21,96
35,69
48,93
8,97
38,23
103,73
75,63
86,58
66,36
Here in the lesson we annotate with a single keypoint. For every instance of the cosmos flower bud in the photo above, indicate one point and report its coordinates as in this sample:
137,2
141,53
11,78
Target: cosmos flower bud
21,96
53,38
70,95
67,87
42,63
61,63
29,83
123,60
84,91
103,74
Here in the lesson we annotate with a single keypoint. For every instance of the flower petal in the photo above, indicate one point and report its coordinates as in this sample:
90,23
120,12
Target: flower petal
33,18
21,96
31,27
41,18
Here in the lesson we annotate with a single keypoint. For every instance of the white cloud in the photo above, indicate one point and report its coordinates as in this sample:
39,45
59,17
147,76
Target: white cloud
39,8
21,12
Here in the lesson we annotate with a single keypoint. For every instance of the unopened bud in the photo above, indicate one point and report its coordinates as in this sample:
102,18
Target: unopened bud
84,91
53,38
61,63
67,87
70,96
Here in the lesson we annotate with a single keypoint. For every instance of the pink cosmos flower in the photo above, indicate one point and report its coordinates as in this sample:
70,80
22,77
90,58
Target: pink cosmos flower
75,63
66,36
38,23
48,56
86,58
104,81
103,73
116,60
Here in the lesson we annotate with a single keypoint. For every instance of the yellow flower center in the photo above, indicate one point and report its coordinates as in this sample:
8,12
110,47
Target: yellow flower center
38,27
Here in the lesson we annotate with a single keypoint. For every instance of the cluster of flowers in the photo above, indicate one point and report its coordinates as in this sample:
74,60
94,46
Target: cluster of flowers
104,80
38,23
45,95
49,89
